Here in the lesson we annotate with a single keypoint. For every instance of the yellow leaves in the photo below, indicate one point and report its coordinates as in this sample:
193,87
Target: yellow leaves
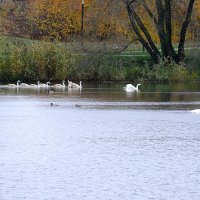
197,9
6,9
59,19
109,28
106,19
55,18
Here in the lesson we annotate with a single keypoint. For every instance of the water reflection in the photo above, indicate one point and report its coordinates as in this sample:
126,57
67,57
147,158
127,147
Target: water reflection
134,94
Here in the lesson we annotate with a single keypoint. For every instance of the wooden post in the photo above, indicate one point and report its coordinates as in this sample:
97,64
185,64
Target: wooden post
82,20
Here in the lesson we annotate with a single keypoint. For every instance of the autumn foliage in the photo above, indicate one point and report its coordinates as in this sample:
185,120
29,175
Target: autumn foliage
103,20
55,19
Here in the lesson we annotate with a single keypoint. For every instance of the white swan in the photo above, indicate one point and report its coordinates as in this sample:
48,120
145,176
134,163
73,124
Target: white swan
13,85
60,85
35,85
131,88
24,85
195,111
75,85
69,84
44,84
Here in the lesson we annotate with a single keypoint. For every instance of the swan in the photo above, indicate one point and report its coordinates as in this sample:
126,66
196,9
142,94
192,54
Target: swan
77,86
131,88
35,85
13,85
24,85
69,84
195,111
60,85
44,84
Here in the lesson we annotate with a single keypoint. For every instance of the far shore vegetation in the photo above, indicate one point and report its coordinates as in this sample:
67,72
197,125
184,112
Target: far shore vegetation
32,60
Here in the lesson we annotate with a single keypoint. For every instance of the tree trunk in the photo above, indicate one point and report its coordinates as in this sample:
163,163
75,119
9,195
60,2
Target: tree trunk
138,26
181,52
163,22
168,28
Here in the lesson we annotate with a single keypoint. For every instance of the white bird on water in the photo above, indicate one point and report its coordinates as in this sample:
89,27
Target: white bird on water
74,85
44,84
13,85
69,84
131,88
35,85
195,111
60,85
24,85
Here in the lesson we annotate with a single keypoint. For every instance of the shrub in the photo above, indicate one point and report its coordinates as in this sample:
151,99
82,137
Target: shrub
29,60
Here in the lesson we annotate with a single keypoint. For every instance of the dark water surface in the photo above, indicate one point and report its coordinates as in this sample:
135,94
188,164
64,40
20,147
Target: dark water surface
100,143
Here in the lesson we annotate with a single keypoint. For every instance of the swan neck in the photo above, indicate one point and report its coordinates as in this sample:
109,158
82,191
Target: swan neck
137,86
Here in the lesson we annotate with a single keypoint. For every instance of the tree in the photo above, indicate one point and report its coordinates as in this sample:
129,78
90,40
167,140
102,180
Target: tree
54,19
162,19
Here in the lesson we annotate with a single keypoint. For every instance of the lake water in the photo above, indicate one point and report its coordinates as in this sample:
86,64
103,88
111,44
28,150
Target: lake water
100,143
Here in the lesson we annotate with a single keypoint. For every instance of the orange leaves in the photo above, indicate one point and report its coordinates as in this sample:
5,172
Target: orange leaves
59,19
55,19
106,19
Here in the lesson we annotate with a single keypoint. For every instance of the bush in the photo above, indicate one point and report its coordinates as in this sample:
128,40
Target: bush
33,60
193,59
29,60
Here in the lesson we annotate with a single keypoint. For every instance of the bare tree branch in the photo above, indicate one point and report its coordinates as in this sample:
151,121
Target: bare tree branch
145,31
150,13
132,16
184,29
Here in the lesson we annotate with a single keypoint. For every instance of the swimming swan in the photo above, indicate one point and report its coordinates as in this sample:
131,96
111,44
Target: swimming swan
195,111
35,85
75,85
24,85
13,85
44,84
60,85
69,84
131,88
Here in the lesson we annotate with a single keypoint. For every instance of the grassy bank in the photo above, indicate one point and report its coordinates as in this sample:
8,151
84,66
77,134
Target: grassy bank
32,60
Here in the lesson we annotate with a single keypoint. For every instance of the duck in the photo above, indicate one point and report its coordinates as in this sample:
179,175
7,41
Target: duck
60,85
52,104
13,85
50,91
131,88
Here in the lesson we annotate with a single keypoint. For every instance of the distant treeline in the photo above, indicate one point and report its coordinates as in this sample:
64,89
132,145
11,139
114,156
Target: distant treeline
30,61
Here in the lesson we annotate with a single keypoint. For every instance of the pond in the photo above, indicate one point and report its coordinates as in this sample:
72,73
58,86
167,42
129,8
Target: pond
100,143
